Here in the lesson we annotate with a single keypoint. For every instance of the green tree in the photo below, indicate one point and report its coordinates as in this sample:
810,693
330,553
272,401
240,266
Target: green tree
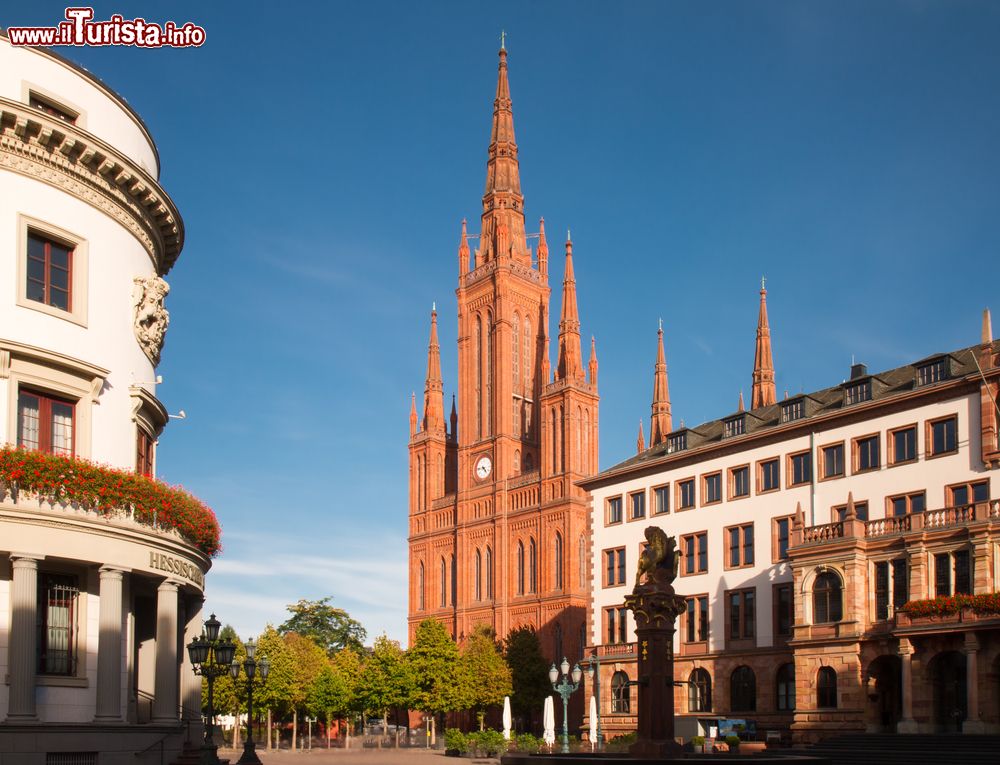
529,672
434,662
386,681
332,628
486,678
276,695
308,661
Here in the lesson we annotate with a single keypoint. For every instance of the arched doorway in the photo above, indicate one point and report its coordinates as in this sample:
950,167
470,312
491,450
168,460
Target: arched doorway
947,671
885,692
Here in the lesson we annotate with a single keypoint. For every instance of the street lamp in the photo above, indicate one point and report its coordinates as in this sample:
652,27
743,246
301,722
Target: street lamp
211,658
594,673
250,667
565,689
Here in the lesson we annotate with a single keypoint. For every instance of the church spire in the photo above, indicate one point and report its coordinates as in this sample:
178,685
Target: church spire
660,423
454,419
543,249
640,442
433,389
570,364
503,205
763,392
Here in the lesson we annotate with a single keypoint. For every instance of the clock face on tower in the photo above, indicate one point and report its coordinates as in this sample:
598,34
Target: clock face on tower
484,466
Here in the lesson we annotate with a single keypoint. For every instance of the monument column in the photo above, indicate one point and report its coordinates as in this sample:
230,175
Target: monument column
973,723
23,648
109,647
655,607
166,698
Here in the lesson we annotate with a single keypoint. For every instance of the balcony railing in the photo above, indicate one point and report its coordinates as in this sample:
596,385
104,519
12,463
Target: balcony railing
616,649
883,527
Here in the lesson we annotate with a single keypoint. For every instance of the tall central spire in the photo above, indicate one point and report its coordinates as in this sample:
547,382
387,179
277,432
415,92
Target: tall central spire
763,365
570,357
434,387
660,425
503,205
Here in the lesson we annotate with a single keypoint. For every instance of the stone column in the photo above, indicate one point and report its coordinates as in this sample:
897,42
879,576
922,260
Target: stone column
109,647
190,682
907,724
23,651
973,723
166,699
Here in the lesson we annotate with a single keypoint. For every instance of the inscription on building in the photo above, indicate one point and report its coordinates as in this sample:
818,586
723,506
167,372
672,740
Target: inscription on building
172,565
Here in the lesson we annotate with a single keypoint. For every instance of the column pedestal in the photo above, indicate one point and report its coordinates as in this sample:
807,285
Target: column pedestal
907,724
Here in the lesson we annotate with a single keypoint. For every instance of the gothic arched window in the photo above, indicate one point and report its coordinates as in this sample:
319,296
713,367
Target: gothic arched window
420,588
489,573
533,570
743,690
700,691
826,688
479,376
828,602
578,459
785,682
489,374
454,581
558,558
528,363
479,575
516,353
621,701
444,583
520,568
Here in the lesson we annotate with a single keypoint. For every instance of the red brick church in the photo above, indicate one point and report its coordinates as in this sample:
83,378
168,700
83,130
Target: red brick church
498,526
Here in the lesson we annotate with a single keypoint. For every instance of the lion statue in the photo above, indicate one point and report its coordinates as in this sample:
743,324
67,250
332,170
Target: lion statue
660,559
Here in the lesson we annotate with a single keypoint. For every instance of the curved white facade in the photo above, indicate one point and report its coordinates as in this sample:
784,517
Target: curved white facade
96,605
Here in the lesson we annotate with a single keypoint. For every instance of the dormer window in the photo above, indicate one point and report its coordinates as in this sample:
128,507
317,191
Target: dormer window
932,372
677,442
793,410
857,392
735,426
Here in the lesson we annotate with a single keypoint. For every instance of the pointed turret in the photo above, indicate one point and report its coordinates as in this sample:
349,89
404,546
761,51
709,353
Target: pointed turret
640,442
851,513
546,365
434,389
463,251
543,250
987,336
570,364
413,414
592,364
763,393
503,205
741,407
454,419
660,423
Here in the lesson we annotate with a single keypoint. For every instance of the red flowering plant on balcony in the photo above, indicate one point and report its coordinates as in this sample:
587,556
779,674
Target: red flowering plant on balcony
986,604
107,490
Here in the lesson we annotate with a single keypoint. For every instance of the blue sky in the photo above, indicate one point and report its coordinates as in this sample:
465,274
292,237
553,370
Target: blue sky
323,159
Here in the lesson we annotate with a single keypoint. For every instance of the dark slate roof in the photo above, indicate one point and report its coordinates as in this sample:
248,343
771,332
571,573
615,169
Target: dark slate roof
884,385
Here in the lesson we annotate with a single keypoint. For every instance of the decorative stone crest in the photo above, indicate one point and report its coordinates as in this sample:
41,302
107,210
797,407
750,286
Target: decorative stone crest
151,316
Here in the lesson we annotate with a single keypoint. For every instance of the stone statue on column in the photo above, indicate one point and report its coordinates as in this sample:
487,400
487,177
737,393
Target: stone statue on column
655,607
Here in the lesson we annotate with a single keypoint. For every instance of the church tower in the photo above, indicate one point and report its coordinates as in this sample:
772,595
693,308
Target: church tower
498,527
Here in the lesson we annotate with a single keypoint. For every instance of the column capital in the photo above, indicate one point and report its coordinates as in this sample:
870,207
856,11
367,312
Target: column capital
905,647
971,643
25,560
168,585
112,572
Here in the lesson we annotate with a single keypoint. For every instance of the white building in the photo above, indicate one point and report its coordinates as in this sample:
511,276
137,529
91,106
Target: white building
803,526
99,590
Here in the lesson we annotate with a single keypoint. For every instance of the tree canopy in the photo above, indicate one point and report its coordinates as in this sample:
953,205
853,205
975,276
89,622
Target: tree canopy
486,677
331,628
386,681
529,671
434,662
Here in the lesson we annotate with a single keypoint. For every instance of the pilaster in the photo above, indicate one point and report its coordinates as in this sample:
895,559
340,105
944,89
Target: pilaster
23,647
166,701
109,647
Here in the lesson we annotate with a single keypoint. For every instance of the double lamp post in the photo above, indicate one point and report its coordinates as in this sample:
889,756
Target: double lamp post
212,658
570,683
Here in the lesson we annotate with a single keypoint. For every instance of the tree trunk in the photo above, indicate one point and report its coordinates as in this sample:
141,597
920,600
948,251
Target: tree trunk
269,729
236,729
295,729
433,731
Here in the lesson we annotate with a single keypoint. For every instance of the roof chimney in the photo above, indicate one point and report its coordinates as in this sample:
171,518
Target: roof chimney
859,370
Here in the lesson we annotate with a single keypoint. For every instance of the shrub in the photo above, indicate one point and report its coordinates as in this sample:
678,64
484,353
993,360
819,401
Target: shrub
698,740
490,742
621,742
733,740
525,742
454,740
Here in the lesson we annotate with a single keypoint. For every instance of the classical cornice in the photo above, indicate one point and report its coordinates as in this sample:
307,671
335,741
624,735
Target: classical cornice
52,151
